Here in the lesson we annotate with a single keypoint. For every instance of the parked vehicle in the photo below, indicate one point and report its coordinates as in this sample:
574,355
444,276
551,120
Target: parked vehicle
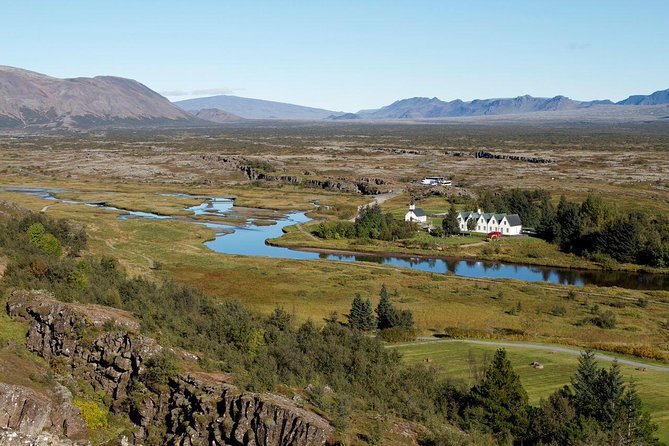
435,181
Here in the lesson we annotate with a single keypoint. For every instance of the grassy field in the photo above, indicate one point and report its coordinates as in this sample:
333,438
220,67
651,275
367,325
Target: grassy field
461,361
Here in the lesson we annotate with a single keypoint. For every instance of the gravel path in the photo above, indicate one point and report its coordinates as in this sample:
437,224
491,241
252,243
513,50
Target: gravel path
550,348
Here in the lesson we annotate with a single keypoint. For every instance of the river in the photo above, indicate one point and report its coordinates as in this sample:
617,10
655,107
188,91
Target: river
250,240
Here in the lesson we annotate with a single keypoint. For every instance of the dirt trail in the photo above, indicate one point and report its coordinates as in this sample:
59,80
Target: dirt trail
379,199
305,232
549,348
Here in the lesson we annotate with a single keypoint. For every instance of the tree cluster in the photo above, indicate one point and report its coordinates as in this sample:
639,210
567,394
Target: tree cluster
530,205
371,223
598,408
593,228
361,316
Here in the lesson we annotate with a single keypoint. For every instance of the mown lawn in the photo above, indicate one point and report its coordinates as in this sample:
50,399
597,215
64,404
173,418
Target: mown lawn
461,361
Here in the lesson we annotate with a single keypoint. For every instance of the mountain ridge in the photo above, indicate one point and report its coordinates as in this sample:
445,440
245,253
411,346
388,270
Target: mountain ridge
31,99
250,108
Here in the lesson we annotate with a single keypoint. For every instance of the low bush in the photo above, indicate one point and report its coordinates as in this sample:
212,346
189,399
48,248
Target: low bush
605,319
93,414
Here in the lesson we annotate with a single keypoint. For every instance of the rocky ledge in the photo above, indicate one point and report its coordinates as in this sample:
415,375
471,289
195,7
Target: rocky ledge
30,418
103,347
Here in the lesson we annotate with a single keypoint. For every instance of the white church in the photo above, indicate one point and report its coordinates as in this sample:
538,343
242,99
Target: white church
415,215
506,224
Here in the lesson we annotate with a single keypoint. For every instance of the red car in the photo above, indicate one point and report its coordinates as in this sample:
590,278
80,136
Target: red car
494,235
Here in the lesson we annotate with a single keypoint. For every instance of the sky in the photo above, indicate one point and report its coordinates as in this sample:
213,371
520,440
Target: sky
348,55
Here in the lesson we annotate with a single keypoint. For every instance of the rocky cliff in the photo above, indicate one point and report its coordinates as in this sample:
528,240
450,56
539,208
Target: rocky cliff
103,347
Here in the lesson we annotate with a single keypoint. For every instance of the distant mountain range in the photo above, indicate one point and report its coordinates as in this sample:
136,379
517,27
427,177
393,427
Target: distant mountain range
558,107
431,108
255,108
29,99
33,100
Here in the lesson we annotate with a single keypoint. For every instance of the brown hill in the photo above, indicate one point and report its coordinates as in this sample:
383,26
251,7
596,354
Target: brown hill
216,115
29,99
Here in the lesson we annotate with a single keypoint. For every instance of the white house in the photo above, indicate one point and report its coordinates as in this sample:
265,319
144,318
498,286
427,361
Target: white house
415,215
507,224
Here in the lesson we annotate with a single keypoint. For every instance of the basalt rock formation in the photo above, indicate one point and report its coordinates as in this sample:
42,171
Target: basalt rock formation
103,347
365,186
496,156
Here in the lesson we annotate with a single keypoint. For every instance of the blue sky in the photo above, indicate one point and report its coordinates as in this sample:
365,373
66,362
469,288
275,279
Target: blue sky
348,55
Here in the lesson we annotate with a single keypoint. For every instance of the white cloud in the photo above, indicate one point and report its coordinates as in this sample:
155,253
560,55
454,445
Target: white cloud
200,92
578,45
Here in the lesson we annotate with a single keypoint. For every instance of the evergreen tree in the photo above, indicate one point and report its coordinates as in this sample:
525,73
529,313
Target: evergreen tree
609,389
355,314
390,317
620,239
633,425
499,402
361,316
384,309
584,384
556,420
450,222
368,320
402,319
568,222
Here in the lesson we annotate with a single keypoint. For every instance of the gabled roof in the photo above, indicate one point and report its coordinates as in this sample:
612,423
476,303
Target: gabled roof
514,220
418,212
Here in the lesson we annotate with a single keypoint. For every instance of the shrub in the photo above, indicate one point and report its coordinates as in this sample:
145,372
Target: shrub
558,310
640,351
515,310
93,414
159,368
44,240
397,334
605,319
